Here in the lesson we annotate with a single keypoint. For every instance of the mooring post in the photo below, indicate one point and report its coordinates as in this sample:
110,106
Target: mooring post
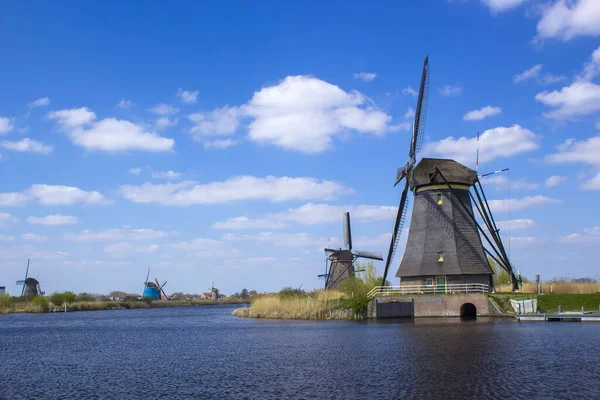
582,310
559,309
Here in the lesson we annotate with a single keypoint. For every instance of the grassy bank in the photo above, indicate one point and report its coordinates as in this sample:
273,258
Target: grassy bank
555,287
549,302
42,304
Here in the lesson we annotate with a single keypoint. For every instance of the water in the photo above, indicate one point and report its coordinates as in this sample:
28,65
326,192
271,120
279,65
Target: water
203,352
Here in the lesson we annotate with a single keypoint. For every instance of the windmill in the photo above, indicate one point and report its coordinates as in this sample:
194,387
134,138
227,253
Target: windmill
340,263
214,292
444,243
154,290
30,286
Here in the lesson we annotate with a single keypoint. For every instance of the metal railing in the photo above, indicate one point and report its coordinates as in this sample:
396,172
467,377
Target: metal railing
428,289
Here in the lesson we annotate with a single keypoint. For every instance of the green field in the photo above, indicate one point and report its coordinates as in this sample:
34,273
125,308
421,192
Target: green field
549,302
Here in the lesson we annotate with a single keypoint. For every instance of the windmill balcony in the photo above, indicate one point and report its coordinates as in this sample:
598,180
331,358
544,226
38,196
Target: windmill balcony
456,288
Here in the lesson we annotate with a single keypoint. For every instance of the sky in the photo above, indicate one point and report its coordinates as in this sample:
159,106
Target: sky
222,141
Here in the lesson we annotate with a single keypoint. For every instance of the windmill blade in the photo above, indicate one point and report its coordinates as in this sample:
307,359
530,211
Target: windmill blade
147,275
347,232
401,174
421,111
163,285
398,225
27,270
373,255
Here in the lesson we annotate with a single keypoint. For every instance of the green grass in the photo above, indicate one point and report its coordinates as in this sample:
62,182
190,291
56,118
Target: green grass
569,302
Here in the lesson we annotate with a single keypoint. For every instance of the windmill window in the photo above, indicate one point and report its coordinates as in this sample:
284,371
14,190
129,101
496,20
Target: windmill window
441,256
439,198
429,281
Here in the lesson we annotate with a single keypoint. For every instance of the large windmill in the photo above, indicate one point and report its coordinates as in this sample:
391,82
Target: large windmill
340,262
30,286
154,290
444,243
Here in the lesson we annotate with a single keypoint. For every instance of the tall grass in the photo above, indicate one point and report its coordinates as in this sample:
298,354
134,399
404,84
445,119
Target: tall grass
319,305
560,286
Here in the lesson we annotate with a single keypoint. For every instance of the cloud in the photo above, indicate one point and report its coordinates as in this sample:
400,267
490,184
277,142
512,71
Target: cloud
410,113
220,144
5,125
7,219
28,146
278,239
521,204
164,122
221,121
528,74
410,90
65,195
567,19
237,188
30,237
109,134
587,236
122,249
591,69
498,6
135,171
592,184
580,98
365,76
53,219
164,109
477,115
515,224
197,245
13,199
166,175
116,234
311,214
501,142
125,104
549,79
42,102
187,97
451,90
555,180
573,151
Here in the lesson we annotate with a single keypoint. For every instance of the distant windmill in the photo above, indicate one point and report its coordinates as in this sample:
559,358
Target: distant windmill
30,286
444,243
214,292
340,263
154,290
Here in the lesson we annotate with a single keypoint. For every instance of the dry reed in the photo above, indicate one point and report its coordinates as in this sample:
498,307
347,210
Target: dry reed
559,287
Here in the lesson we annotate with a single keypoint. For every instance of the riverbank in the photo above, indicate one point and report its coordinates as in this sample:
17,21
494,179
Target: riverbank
33,306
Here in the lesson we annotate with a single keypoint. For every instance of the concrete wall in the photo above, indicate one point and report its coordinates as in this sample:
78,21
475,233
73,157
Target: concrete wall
444,305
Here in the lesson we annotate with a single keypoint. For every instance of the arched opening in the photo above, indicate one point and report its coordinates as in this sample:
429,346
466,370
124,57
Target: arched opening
468,310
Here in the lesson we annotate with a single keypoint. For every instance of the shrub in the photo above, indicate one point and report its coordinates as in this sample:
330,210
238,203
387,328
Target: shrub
42,303
69,297
56,298
5,302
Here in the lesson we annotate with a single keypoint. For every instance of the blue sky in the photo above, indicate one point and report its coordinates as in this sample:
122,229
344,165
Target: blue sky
223,141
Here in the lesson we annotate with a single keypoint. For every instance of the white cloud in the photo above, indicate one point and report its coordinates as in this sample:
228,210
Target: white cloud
501,142
477,115
42,102
311,214
125,104
274,189
122,249
65,195
164,122
410,113
567,19
166,174
109,134
116,234
555,180
498,6
304,114
409,90
528,74
365,76
13,199
522,203
186,96
220,144
580,98
164,109
198,245
30,237
5,125
549,79
592,184
572,151
135,171
515,224
53,219
591,69
28,146
6,219
451,90
220,121
588,236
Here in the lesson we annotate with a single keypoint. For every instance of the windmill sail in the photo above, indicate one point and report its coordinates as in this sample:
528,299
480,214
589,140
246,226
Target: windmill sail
421,111
373,255
347,232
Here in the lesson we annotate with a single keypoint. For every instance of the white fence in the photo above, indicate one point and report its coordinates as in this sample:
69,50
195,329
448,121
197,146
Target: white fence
428,289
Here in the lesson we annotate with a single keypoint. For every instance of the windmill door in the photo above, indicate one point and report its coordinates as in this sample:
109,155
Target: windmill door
441,285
